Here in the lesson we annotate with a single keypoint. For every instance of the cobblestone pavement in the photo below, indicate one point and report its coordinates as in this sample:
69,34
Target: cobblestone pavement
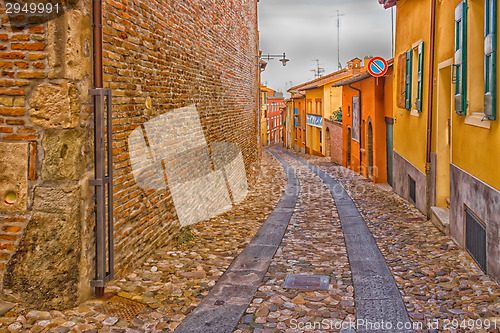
439,281
176,278
313,244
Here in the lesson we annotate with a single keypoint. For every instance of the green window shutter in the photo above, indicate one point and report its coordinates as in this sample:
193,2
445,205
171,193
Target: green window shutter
409,56
420,81
461,58
490,52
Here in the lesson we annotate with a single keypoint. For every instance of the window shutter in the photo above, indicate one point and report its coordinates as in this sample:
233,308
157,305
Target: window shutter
490,57
420,76
409,56
461,58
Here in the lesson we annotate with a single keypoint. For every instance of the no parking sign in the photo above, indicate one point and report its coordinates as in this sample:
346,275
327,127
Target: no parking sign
377,66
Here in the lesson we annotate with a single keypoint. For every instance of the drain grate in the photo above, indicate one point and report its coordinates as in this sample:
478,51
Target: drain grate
308,282
414,219
121,307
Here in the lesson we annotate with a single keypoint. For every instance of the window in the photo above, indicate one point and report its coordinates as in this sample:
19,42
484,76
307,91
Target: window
412,189
401,89
414,78
420,70
475,239
318,107
490,45
461,58
408,79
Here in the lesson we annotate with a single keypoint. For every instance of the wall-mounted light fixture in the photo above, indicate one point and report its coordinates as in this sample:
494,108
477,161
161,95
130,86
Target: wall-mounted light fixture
262,64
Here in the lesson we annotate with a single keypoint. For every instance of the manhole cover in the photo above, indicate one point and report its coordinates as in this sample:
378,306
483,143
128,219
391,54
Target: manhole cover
121,307
309,282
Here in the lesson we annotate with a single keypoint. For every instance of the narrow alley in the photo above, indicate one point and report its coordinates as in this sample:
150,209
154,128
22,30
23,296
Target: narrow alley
249,166
438,282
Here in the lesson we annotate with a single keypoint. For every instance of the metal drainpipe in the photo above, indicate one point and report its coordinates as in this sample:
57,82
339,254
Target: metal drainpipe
430,111
360,122
98,83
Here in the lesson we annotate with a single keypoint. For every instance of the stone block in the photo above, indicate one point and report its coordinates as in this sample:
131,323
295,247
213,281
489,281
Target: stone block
13,176
64,158
55,105
64,201
69,46
46,266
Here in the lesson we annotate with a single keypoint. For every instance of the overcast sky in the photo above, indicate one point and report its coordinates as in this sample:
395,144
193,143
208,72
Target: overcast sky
307,30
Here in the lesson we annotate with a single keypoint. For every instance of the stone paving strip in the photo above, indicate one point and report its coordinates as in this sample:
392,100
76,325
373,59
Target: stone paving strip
313,245
176,278
377,296
222,308
443,288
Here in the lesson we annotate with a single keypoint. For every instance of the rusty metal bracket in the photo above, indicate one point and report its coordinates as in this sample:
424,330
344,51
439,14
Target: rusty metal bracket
103,182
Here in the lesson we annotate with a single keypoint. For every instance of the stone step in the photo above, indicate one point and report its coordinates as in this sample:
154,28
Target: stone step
440,217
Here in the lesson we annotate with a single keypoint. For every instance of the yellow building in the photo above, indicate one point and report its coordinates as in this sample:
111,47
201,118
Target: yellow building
321,101
447,164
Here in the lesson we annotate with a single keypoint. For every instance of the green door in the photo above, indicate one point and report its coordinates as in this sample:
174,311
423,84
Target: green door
389,151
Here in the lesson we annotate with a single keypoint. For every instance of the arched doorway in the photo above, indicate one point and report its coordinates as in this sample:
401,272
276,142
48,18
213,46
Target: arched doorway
349,138
328,143
370,148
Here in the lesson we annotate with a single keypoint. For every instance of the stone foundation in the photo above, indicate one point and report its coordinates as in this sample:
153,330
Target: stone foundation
484,201
402,169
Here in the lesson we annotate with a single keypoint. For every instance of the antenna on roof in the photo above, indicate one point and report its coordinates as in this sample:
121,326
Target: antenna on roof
318,71
338,39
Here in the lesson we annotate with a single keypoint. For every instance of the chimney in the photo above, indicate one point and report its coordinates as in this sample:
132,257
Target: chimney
367,59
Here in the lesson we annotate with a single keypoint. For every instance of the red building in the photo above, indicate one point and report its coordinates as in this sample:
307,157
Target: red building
274,117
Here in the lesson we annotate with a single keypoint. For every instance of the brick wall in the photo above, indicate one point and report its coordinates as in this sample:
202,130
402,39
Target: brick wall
159,56
335,130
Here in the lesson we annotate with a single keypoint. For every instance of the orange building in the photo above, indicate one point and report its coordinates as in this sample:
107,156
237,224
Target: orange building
367,125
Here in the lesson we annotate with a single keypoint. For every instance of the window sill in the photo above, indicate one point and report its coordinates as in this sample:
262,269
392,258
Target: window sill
415,113
475,119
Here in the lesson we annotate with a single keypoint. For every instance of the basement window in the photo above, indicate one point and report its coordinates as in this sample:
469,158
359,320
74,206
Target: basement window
412,189
475,238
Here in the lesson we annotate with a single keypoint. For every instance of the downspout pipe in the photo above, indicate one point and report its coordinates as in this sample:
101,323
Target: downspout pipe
97,43
98,83
360,122
430,109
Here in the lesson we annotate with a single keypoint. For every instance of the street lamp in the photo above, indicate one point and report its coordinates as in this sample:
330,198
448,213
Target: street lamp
268,57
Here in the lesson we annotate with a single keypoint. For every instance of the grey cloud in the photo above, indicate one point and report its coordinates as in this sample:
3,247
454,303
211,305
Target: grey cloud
307,30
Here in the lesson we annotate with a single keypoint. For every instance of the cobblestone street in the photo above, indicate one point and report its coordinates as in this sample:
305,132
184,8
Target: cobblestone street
436,279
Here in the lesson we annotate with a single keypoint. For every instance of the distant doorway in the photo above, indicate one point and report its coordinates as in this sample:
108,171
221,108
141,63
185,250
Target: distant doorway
389,148
328,142
349,138
370,149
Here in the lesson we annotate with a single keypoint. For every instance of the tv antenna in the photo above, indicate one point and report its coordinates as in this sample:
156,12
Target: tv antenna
338,39
318,71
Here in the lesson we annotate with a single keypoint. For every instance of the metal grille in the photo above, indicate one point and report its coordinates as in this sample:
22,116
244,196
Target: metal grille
308,282
413,194
120,307
475,239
